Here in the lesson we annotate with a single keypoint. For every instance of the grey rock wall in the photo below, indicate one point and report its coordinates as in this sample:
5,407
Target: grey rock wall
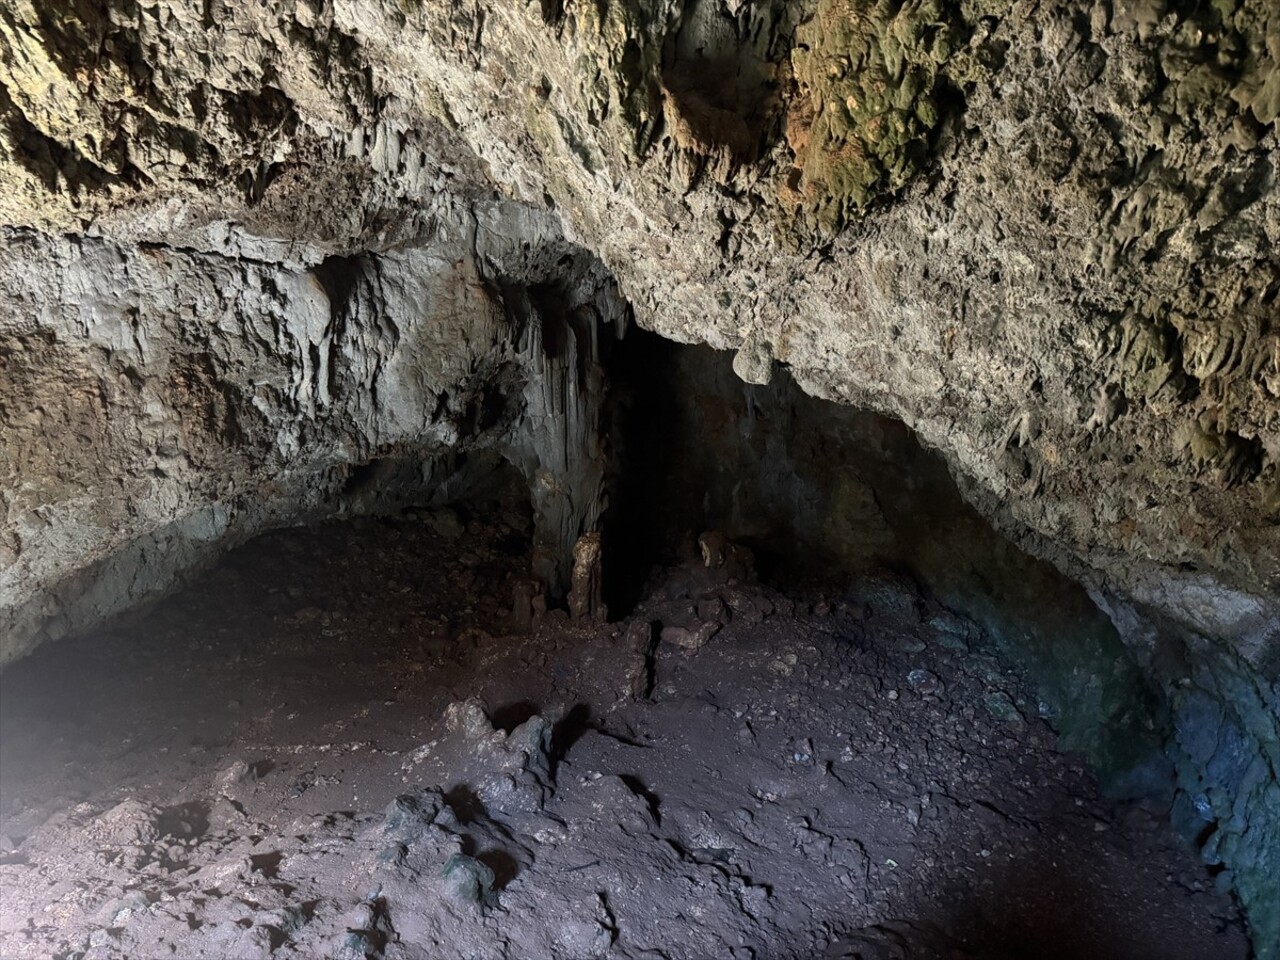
164,404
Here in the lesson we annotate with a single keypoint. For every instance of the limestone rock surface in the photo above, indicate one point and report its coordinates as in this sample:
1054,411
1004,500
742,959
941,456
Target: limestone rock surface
268,261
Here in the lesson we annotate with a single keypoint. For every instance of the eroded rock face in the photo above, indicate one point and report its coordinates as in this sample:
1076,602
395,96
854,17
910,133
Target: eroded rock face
162,404
258,258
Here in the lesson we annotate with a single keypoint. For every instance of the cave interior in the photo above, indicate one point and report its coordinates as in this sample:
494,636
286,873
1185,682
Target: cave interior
640,479
753,652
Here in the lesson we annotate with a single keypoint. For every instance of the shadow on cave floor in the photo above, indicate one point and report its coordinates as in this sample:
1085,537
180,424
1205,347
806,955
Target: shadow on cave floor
810,779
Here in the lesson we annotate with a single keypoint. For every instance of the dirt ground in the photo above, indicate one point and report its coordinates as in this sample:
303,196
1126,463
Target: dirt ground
333,745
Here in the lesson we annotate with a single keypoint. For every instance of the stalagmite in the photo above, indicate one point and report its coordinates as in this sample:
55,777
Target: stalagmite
586,595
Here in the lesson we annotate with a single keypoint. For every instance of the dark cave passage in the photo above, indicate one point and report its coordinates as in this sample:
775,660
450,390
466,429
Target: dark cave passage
826,495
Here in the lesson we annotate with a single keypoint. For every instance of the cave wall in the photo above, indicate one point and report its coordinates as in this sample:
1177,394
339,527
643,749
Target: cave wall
161,404
250,249
1038,233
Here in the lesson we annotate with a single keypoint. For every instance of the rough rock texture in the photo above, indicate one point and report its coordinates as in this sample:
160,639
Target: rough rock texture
825,493
164,403
262,258
811,776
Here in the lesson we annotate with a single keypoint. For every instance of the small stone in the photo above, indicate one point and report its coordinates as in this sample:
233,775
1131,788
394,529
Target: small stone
923,681
1002,707
853,610
713,609
952,631
99,938
469,718
747,606
408,816
688,639
784,666
911,645
228,777
356,945
466,879
361,917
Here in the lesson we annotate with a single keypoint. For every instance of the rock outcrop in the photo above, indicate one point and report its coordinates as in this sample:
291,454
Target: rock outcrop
264,262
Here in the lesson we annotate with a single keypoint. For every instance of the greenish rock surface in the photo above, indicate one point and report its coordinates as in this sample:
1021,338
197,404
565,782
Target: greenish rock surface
467,879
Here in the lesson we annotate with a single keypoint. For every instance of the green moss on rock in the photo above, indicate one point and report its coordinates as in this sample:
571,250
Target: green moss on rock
867,75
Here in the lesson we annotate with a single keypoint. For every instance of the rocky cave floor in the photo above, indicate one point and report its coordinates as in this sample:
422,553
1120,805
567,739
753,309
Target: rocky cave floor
334,745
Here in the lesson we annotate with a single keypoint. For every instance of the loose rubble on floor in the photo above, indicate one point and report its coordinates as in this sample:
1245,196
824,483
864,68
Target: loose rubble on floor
355,741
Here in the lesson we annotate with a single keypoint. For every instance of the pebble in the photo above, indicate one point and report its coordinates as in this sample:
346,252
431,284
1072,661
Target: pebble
361,917
466,879
1001,706
690,639
924,682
